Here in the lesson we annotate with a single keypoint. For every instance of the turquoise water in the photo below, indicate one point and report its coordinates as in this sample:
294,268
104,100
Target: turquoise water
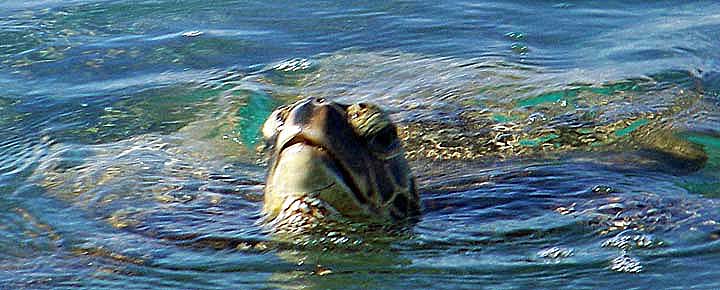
129,134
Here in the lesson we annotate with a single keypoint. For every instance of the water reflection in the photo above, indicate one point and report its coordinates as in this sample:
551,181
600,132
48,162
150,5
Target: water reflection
548,153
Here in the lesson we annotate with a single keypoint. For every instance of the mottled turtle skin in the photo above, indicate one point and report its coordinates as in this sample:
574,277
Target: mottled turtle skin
347,162
332,161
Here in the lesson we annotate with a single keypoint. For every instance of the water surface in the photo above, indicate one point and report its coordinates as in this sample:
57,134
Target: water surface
129,135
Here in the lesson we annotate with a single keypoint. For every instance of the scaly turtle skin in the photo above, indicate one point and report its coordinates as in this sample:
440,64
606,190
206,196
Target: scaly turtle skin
345,162
337,162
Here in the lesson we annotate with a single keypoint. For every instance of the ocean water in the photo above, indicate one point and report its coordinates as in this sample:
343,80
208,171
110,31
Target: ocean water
129,141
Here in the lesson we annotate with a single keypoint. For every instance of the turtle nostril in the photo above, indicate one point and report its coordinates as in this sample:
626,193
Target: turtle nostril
320,100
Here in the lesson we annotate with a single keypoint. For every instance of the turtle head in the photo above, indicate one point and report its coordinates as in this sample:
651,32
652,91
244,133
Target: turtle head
347,156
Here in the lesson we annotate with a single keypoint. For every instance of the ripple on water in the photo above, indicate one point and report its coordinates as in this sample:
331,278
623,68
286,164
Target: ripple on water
19,153
149,184
135,184
22,228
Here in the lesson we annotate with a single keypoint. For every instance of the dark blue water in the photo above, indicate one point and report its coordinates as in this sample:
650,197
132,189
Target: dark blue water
129,131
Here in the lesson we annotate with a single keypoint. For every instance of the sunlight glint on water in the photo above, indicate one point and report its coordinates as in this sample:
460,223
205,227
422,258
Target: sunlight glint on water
129,152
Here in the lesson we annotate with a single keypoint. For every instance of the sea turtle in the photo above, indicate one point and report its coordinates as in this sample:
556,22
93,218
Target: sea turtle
331,160
202,186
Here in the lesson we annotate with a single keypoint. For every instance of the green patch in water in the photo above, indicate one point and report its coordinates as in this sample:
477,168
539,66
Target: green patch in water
711,144
709,184
551,97
571,95
585,131
706,189
503,118
537,141
630,128
707,141
252,115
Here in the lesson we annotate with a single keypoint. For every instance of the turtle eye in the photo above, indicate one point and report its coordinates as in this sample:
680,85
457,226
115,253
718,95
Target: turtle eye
279,117
385,140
